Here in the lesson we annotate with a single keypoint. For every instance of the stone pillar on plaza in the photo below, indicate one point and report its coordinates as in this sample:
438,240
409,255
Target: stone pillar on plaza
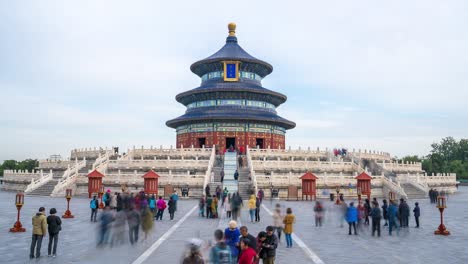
94,182
309,186
151,182
364,184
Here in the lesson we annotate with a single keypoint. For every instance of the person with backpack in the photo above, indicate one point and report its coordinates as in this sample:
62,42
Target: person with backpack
54,225
94,204
220,253
161,207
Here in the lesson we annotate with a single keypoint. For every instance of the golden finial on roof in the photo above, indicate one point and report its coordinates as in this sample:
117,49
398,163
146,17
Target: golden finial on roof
232,29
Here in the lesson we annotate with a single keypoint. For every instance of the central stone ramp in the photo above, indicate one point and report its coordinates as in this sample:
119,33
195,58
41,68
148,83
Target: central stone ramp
230,166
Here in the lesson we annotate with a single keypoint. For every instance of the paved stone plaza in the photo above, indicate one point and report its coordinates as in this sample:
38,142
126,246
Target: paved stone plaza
331,244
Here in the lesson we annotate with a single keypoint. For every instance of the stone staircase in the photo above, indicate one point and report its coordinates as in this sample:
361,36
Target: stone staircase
413,192
230,166
245,184
46,189
217,179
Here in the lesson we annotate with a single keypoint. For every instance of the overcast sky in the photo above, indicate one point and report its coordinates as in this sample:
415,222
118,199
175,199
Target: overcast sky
384,75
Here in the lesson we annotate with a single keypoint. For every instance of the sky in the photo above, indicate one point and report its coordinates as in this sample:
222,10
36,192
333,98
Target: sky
382,75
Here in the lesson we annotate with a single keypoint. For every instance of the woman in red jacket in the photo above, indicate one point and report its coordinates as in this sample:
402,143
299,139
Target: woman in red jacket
248,253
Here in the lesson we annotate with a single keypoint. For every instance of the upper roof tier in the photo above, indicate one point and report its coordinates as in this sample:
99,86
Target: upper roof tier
231,51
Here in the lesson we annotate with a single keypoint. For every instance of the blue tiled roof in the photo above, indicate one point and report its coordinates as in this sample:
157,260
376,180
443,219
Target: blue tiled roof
231,51
209,114
220,86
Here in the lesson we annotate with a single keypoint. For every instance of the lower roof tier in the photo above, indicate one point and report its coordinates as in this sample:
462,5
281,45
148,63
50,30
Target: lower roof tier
233,126
211,114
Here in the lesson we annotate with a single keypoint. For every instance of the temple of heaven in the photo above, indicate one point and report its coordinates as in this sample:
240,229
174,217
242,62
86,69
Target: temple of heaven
231,108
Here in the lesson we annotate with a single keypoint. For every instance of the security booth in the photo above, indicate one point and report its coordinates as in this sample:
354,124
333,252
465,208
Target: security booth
94,182
364,184
151,182
309,186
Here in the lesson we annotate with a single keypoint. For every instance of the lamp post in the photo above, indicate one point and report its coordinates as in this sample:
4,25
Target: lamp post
19,201
441,204
337,196
101,193
68,196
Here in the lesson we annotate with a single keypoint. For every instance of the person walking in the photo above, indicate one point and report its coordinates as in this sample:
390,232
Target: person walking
218,192
404,213
201,207
209,201
212,177
113,201
146,221
352,217
54,225
220,253
288,221
384,212
278,221
417,213
376,217
318,209
222,175
227,206
392,213
106,220
367,209
152,205
94,204
194,255
161,204
171,207
207,190
39,224
214,207
225,194
133,219
232,235
175,198
261,252
236,175
252,207
269,245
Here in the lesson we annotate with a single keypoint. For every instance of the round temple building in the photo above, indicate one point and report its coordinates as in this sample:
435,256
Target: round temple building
231,108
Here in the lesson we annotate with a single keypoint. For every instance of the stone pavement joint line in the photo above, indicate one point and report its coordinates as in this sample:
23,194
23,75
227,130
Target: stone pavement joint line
301,244
158,243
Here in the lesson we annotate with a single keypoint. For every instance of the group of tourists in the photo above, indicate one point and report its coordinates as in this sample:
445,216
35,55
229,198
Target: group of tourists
395,216
433,193
136,211
237,245
40,226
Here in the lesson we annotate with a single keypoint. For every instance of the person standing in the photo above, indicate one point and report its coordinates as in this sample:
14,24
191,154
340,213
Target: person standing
201,207
245,234
232,235
227,206
384,212
222,175
171,207
39,224
218,192
318,209
94,204
352,217
252,207
175,198
376,217
269,245
404,213
248,253
207,190
152,205
367,209
258,203
417,213
161,204
260,195
113,201
214,207
220,253
288,221
236,175
54,225
209,201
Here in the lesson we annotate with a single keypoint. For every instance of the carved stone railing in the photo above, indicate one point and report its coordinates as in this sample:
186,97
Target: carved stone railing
251,169
210,166
36,183
303,165
394,187
68,178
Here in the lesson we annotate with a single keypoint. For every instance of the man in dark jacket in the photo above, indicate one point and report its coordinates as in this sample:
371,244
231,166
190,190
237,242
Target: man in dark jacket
384,211
236,175
417,213
376,216
207,190
269,246
404,212
245,234
258,203
54,225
